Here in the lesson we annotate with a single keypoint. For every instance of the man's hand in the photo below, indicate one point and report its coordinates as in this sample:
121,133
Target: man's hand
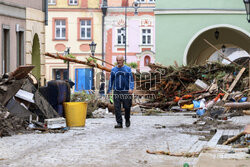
130,91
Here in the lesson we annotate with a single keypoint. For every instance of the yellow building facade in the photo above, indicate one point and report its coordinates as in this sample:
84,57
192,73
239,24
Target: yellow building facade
73,24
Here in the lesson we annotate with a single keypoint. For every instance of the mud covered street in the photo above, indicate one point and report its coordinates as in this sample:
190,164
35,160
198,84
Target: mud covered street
99,144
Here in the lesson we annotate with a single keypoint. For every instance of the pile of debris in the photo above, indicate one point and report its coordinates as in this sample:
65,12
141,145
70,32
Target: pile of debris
98,106
20,102
10,124
197,87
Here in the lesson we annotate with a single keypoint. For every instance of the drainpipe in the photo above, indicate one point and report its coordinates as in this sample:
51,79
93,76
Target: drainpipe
104,12
46,12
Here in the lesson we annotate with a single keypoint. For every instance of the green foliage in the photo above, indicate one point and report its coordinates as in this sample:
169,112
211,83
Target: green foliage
91,59
132,64
82,97
69,56
89,98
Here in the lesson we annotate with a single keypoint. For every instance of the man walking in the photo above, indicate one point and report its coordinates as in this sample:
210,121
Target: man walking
122,82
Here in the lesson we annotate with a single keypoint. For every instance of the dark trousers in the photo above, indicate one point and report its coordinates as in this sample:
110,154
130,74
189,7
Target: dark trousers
126,99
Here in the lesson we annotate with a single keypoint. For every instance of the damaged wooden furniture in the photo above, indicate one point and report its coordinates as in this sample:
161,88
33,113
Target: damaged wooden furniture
12,82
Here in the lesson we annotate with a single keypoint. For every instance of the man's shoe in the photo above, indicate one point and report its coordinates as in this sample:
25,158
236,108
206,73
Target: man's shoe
128,123
119,125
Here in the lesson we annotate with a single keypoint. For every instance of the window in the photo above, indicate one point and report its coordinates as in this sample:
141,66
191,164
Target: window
85,29
120,36
60,28
20,48
146,36
6,50
73,2
60,74
51,2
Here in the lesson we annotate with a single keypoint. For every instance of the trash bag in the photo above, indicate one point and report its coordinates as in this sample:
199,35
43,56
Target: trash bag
200,112
196,104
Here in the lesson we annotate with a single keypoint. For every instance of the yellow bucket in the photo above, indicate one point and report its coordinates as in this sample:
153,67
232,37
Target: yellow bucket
75,113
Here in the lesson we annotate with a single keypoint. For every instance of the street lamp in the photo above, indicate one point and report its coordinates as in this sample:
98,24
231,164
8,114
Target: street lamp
247,4
135,5
92,49
66,52
223,48
216,34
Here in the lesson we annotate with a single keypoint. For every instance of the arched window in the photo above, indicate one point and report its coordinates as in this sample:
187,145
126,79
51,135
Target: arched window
147,60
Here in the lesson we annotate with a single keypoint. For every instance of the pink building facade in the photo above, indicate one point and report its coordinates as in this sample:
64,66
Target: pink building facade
140,32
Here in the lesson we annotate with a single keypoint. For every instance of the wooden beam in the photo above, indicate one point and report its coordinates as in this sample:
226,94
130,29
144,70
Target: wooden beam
221,54
102,60
234,83
235,105
78,61
232,139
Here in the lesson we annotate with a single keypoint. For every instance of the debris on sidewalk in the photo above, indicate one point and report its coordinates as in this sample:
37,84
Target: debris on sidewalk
183,154
9,124
55,123
187,155
100,113
136,109
232,139
203,89
237,105
10,83
240,140
41,107
20,100
19,109
152,111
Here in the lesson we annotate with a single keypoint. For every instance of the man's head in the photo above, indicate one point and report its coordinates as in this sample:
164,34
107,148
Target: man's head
120,61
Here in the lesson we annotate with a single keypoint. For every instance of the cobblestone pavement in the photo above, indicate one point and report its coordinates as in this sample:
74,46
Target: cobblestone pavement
99,144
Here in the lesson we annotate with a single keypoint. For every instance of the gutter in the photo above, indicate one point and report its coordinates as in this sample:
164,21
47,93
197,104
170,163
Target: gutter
104,12
198,11
46,12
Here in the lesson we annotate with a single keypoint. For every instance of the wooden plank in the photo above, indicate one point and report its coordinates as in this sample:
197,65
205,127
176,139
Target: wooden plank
21,72
11,90
221,54
96,65
232,139
234,83
235,105
102,60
